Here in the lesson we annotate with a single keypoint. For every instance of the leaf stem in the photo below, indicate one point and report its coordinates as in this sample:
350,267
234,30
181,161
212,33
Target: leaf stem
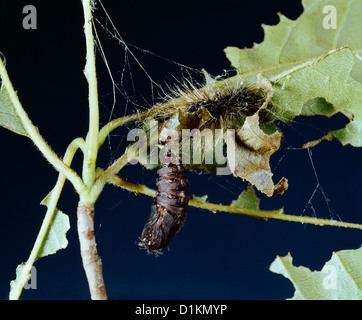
34,135
264,214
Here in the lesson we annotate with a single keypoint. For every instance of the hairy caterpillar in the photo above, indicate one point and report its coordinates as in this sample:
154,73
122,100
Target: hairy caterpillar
228,103
169,209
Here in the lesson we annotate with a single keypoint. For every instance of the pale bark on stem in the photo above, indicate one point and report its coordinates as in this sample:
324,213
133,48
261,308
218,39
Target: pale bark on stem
92,263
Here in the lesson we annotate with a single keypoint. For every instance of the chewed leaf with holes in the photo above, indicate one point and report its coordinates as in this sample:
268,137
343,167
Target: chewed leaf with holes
293,42
339,279
310,68
55,240
326,77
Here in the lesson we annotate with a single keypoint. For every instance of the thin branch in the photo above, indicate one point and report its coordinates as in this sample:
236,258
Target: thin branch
131,186
92,263
112,125
265,214
90,156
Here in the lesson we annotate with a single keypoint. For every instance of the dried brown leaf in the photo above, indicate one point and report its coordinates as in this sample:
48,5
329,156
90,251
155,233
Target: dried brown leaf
249,156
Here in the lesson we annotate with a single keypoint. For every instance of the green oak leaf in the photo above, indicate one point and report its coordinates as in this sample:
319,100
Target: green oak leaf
339,279
293,42
313,69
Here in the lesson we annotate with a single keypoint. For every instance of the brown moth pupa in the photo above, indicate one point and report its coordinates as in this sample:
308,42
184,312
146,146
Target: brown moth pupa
169,209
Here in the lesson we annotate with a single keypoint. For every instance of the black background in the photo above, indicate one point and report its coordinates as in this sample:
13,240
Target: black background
215,256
